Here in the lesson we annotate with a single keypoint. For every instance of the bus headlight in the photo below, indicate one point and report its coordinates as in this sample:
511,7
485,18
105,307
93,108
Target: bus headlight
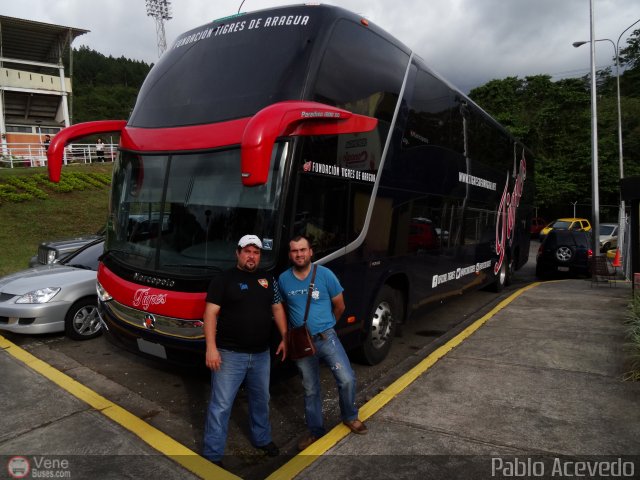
103,295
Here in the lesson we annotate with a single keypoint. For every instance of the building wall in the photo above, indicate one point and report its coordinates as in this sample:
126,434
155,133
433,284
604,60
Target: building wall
20,79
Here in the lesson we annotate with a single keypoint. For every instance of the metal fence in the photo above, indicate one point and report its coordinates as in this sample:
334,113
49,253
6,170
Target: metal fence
18,155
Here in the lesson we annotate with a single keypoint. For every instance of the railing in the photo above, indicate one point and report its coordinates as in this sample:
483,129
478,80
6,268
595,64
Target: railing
14,155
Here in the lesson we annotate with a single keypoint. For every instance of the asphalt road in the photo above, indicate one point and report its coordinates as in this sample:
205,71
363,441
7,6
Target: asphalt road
174,399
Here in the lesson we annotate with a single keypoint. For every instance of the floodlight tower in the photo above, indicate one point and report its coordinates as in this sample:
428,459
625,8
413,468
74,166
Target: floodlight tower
161,11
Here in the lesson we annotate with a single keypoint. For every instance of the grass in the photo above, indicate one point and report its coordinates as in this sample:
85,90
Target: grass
28,220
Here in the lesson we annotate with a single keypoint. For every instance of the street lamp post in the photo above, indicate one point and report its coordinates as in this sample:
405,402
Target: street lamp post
616,50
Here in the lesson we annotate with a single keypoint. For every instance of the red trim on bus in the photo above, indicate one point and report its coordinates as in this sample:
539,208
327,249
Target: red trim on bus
187,306
55,152
194,137
256,135
291,118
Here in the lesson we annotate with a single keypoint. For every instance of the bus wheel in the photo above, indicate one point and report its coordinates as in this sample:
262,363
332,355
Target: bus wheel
501,277
386,315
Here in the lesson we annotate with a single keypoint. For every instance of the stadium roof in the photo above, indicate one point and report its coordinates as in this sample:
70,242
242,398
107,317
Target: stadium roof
35,41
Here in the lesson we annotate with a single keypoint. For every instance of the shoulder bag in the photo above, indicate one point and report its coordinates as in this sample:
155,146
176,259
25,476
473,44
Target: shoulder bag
299,342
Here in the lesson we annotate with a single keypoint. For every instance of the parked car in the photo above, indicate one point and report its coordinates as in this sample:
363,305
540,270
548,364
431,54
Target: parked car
564,252
54,298
53,251
422,235
537,224
608,236
570,223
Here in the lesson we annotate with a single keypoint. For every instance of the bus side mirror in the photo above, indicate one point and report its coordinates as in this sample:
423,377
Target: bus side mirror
55,152
291,118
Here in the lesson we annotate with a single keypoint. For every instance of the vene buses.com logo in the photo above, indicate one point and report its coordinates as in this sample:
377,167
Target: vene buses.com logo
18,467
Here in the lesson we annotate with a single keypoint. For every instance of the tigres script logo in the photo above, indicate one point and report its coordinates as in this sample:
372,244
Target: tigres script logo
506,217
143,299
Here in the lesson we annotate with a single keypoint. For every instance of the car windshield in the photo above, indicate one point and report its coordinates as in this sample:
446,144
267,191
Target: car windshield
184,213
86,257
607,229
560,224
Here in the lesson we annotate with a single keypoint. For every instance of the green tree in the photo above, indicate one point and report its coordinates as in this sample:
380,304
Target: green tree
552,119
105,87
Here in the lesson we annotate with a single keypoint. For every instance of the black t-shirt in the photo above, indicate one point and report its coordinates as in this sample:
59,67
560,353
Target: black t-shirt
245,299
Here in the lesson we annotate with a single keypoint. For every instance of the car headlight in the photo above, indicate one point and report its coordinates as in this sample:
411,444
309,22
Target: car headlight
103,295
42,295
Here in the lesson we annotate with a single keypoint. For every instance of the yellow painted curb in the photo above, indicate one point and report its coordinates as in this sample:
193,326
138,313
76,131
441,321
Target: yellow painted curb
149,434
305,458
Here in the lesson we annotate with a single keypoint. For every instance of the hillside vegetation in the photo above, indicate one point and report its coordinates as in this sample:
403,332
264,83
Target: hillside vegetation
553,118
32,209
105,88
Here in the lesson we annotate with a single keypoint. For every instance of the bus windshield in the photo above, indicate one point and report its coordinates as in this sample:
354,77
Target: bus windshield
184,213
269,65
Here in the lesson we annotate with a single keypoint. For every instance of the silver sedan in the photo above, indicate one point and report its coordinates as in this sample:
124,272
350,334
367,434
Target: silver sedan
54,298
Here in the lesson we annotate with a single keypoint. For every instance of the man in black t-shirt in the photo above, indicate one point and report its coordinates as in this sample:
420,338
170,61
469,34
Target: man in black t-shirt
242,304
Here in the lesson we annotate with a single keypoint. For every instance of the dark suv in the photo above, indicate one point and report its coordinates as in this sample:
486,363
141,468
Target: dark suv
53,251
564,252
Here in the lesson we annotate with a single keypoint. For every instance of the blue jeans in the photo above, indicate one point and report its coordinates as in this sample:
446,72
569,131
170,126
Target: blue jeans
253,369
331,352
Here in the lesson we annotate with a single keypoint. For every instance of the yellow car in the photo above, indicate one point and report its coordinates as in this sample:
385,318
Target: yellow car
566,224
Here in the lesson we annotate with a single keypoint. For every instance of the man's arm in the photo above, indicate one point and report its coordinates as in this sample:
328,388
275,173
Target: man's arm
281,322
211,312
338,306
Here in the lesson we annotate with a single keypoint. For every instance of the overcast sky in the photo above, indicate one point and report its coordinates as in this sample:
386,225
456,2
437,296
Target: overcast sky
469,42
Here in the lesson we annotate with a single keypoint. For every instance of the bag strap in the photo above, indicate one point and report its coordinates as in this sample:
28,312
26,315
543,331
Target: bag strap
311,287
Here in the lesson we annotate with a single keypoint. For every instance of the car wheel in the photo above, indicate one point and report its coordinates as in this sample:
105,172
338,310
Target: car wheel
82,321
564,253
386,316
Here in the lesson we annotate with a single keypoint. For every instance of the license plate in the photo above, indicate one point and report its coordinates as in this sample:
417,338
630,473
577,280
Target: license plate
151,348
563,269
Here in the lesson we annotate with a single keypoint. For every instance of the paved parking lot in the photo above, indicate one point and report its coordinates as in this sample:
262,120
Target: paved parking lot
513,386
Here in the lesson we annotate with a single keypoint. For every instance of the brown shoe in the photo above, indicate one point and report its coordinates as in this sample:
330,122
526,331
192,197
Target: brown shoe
356,426
307,440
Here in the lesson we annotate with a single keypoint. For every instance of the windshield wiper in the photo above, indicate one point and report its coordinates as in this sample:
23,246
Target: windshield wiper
78,265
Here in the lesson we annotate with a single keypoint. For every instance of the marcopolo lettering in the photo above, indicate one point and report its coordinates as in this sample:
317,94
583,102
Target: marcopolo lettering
155,281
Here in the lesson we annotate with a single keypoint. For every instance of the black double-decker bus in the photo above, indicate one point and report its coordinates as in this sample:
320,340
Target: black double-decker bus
303,120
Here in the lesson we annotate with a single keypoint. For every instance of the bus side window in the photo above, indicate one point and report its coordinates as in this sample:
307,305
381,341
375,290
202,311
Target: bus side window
335,178
320,211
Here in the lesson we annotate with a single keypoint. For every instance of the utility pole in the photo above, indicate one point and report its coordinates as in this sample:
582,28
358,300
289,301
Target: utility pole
160,10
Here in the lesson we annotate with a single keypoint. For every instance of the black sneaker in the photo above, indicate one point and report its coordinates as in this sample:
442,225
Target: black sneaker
270,449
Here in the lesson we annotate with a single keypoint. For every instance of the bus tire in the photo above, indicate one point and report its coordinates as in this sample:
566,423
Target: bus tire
385,318
502,277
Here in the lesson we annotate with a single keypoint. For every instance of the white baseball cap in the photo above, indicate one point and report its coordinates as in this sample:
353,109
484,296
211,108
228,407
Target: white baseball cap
250,240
